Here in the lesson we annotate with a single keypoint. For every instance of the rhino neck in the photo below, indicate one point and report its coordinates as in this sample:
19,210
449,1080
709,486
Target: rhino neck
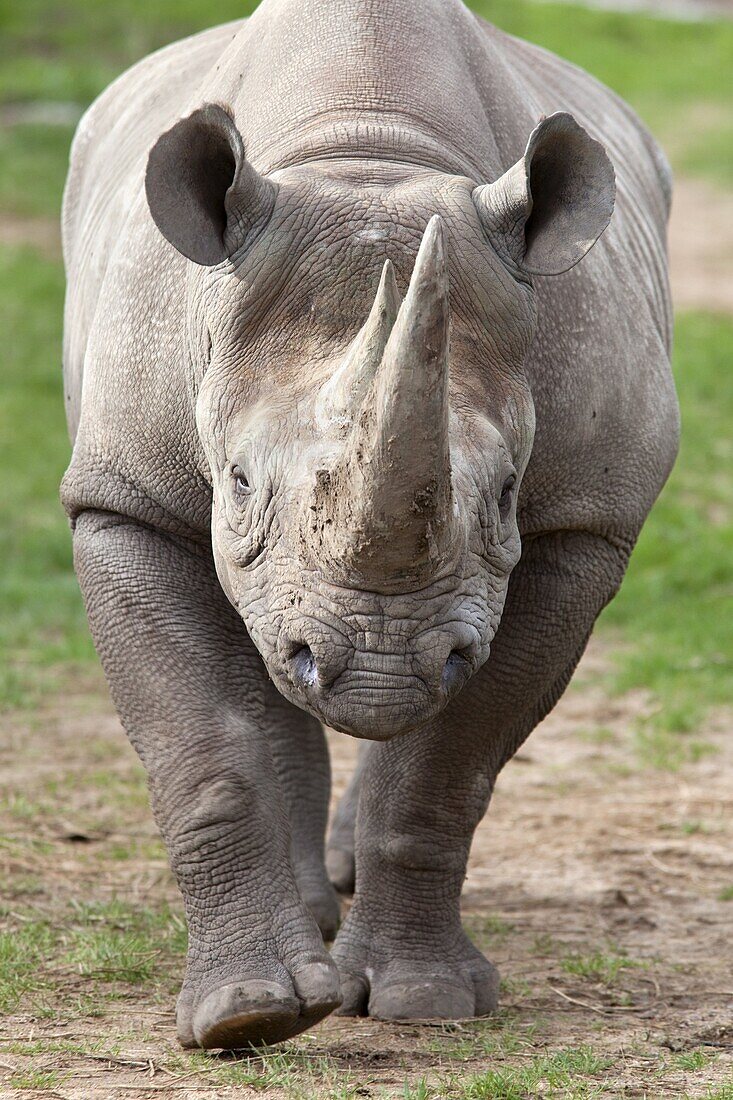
389,140
388,80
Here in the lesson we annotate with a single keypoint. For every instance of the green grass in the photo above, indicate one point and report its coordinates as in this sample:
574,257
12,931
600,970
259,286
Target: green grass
574,1073
552,1075
675,609
420,1090
603,967
301,1074
42,624
724,1092
36,1079
23,951
692,1060
499,1037
33,161
692,828
109,956
487,929
111,945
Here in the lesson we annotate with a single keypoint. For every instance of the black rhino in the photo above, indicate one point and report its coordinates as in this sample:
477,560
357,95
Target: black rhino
355,442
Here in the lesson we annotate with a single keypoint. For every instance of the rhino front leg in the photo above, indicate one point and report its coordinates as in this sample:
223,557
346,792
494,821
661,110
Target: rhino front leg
402,951
192,694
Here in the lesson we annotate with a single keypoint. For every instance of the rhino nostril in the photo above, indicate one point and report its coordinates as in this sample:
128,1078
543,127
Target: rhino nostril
303,665
457,668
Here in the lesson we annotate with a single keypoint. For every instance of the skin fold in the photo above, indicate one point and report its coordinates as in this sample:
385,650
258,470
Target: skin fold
365,425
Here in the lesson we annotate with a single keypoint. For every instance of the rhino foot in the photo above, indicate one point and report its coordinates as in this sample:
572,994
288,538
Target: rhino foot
341,868
252,1011
415,989
323,904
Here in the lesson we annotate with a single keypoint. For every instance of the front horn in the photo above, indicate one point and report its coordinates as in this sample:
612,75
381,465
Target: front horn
386,511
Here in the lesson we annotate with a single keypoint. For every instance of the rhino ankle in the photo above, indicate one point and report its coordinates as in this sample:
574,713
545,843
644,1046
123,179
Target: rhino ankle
413,852
218,820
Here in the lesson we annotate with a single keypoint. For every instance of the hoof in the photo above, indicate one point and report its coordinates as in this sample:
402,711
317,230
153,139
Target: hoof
422,1000
254,1012
244,1014
416,990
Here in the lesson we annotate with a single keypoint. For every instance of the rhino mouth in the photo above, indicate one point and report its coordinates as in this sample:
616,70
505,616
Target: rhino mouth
375,708
376,696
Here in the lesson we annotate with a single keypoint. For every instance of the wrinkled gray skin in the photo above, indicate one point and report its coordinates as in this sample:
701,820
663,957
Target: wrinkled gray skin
297,466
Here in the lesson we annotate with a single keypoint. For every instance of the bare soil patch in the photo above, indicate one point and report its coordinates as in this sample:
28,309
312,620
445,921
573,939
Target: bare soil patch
43,234
669,9
595,884
701,246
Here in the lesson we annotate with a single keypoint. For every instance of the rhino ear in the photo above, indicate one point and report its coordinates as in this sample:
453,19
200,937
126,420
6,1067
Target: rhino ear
551,207
203,194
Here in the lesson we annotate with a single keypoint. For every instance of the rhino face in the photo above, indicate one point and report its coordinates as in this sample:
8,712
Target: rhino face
365,480
364,532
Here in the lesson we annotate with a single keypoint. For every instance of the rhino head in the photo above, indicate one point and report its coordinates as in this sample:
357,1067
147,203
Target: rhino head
366,444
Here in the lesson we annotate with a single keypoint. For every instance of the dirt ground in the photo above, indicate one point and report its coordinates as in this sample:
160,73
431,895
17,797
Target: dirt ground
595,884
670,9
701,246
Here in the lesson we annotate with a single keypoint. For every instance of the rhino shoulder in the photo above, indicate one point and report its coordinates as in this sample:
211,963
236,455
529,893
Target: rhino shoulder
130,112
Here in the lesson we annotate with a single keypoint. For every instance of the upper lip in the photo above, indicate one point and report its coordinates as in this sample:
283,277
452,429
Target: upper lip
377,684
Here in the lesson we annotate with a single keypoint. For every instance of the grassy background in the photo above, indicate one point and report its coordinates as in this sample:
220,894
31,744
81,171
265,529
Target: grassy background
677,639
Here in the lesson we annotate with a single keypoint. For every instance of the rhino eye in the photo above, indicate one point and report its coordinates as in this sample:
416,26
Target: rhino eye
505,500
241,484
